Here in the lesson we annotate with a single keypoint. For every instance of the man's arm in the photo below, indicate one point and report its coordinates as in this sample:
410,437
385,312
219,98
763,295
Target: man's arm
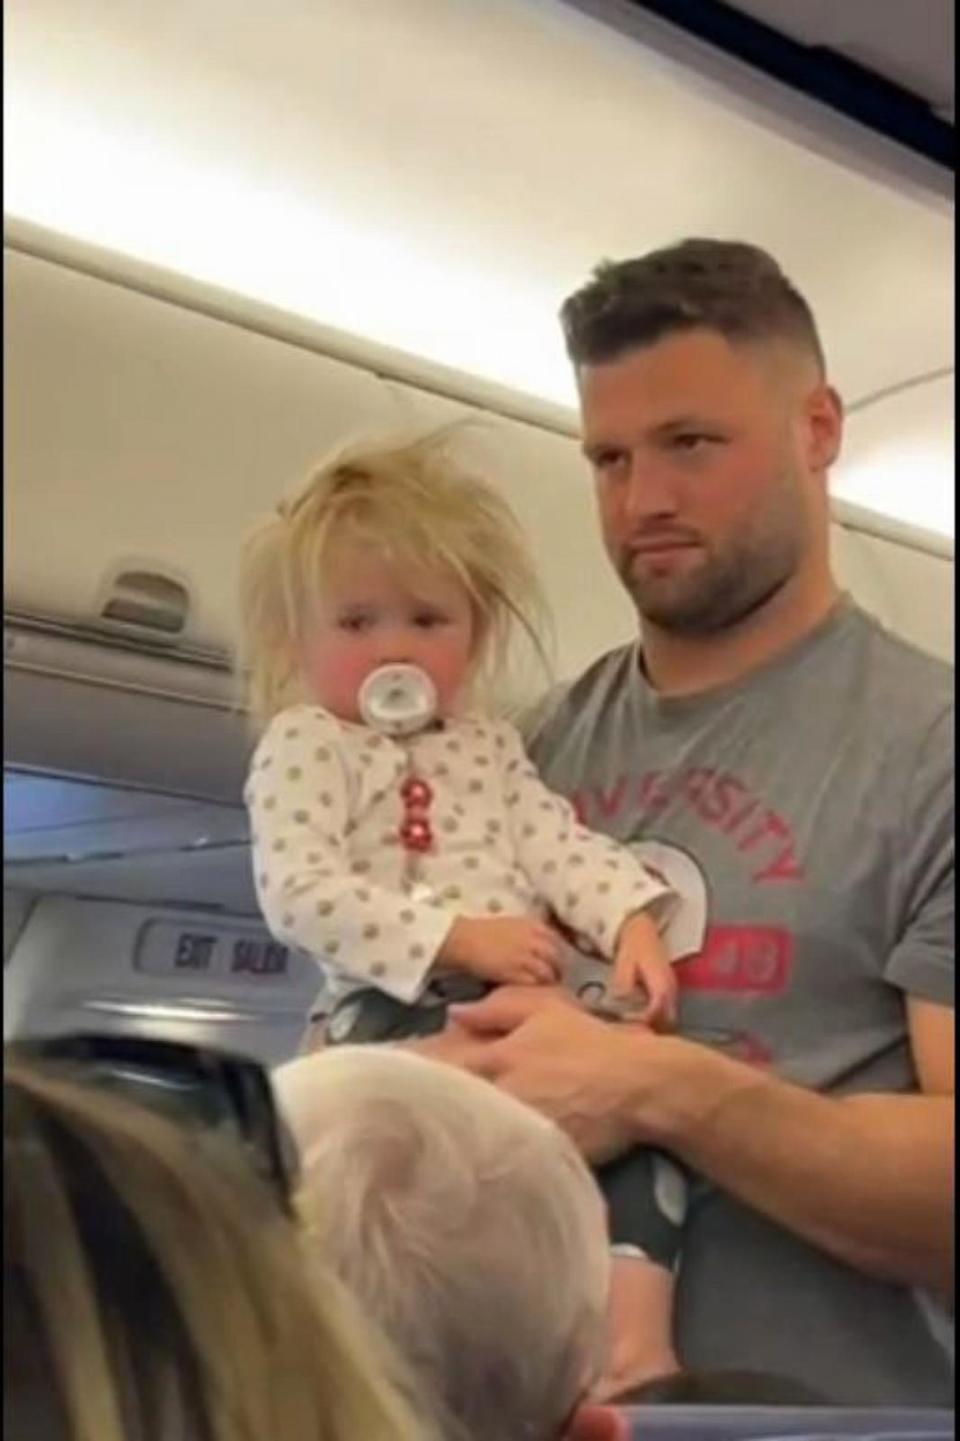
867,1178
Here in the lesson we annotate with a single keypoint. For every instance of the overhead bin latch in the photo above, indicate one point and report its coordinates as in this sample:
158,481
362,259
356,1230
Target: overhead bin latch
146,602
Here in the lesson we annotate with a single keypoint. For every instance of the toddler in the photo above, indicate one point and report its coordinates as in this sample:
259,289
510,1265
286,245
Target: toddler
400,836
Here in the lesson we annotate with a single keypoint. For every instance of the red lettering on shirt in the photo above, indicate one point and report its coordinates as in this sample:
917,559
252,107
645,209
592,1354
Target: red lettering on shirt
738,817
721,801
610,803
783,868
707,800
730,793
757,959
771,825
653,793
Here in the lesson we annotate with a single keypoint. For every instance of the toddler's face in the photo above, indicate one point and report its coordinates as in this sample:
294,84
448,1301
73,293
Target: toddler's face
373,614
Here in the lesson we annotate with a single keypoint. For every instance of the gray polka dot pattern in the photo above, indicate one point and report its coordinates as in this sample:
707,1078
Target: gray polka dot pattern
325,812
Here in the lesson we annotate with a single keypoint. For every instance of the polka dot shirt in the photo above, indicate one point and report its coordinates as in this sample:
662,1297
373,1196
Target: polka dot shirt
333,878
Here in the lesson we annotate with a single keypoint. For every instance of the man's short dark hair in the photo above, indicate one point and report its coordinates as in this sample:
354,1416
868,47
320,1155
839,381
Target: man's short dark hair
726,286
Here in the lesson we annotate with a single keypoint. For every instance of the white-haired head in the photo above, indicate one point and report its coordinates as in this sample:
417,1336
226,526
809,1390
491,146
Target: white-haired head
467,1224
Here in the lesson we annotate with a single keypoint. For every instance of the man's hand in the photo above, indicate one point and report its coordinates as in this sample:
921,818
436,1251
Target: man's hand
868,1178
580,1071
465,1046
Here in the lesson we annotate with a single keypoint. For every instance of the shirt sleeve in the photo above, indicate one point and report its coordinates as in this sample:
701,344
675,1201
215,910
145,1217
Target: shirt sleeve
312,897
922,961
592,883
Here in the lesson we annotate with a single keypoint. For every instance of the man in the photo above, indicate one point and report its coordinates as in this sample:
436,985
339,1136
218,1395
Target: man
470,1230
769,738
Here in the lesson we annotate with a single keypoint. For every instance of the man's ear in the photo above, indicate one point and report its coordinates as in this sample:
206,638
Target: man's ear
592,1422
824,427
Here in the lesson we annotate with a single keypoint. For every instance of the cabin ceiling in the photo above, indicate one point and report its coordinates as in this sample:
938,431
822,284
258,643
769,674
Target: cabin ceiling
435,175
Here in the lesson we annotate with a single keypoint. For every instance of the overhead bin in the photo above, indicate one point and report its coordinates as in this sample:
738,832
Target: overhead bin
77,703
143,437
111,840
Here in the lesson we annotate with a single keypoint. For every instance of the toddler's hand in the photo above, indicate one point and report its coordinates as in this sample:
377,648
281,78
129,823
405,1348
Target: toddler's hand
517,949
641,962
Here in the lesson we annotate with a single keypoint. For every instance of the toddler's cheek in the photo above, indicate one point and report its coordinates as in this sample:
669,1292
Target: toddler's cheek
334,681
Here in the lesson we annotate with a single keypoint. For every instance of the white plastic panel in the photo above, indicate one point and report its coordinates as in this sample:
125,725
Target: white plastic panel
63,725
218,878
83,839
898,456
47,817
140,432
16,908
436,175
910,591
80,965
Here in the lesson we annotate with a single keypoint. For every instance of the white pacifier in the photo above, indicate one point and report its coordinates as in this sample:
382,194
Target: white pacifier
398,700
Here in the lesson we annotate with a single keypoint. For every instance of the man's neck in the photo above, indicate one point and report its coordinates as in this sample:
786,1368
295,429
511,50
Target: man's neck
678,665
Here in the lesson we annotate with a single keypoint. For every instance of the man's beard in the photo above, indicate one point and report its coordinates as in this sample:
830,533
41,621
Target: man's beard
727,585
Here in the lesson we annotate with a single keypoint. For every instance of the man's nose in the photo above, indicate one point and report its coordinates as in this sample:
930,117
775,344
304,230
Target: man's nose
649,492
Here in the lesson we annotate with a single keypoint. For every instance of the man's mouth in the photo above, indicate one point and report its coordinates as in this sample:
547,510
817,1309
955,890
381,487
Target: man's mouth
660,549
663,540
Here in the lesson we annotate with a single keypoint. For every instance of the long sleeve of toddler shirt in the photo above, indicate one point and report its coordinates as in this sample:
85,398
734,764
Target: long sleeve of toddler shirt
298,798
592,883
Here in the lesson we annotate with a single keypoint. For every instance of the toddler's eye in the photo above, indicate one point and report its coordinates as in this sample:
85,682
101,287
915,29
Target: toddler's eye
429,620
355,624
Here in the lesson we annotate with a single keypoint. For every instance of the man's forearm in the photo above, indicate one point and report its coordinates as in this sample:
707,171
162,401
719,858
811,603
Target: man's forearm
867,1178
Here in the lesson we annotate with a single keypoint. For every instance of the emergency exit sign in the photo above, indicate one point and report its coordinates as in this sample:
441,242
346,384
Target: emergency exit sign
164,948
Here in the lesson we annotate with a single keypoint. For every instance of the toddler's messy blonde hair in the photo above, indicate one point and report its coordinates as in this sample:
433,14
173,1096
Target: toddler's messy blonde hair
412,503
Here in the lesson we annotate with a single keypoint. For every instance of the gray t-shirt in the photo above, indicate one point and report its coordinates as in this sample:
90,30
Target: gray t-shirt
806,815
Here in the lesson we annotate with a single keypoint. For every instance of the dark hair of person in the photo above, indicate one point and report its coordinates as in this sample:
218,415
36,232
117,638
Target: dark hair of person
727,286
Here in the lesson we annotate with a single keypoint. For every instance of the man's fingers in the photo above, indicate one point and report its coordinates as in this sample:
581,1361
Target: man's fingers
545,958
451,1045
484,1060
624,982
499,1013
547,943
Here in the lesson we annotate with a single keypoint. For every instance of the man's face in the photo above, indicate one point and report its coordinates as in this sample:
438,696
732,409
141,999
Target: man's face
708,460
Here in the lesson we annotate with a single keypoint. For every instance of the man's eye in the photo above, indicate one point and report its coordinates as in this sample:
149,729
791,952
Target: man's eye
692,440
607,460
